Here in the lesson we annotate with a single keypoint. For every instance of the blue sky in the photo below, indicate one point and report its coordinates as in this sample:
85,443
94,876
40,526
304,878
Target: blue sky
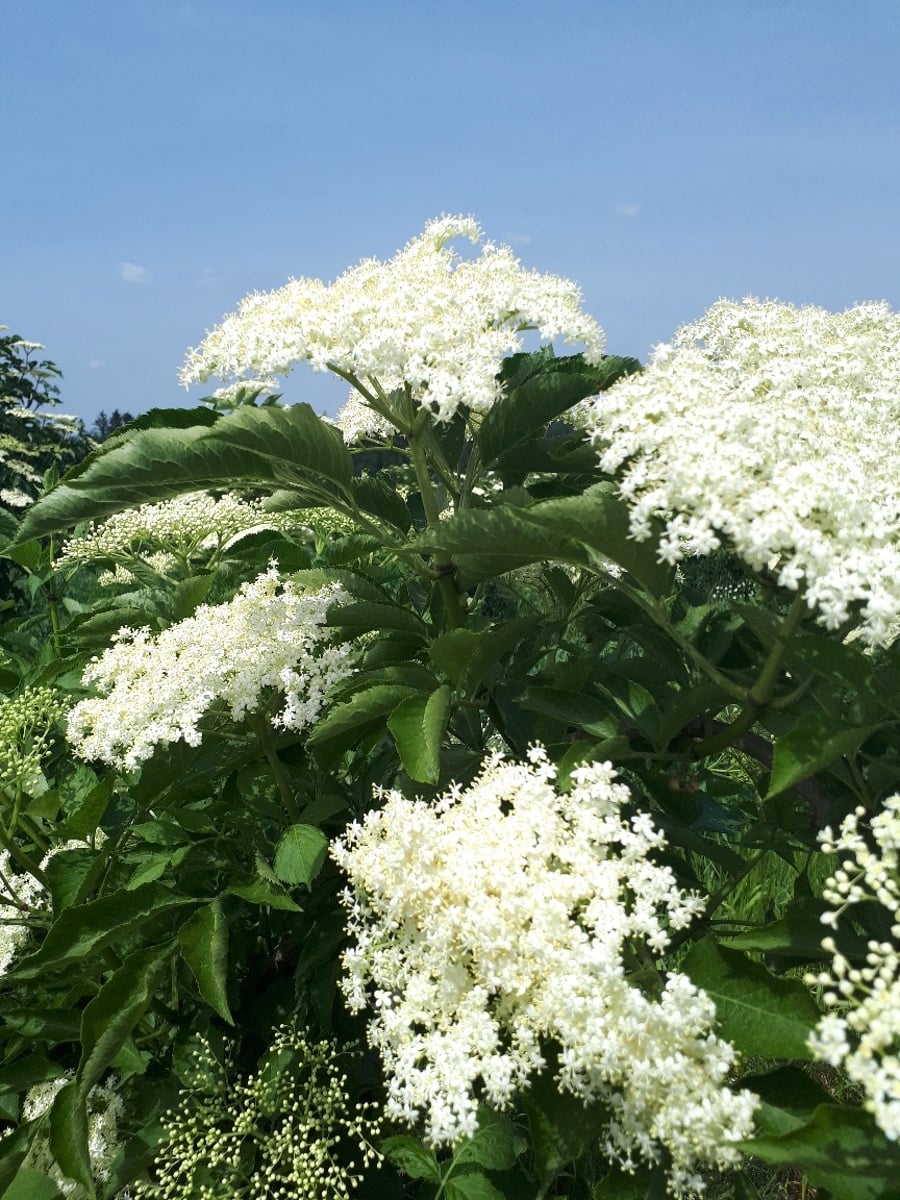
164,158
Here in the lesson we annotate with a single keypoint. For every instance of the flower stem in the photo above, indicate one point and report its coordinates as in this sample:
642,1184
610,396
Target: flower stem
443,563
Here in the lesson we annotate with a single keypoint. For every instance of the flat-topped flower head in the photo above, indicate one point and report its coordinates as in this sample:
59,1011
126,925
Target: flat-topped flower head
155,690
438,323
772,429
501,917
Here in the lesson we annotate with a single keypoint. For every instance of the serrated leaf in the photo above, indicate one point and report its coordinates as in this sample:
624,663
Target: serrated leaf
813,743
110,1017
85,929
577,529
264,893
364,617
550,391
471,1186
496,1143
841,1149
265,446
757,1012
203,940
300,854
412,1158
418,724
376,497
362,708
585,712
69,1136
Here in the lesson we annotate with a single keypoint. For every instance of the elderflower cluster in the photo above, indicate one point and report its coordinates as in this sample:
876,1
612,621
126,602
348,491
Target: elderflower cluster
771,429
862,1032
156,689
105,1111
501,917
182,526
357,420
440,324
26,727
20,895
290,1130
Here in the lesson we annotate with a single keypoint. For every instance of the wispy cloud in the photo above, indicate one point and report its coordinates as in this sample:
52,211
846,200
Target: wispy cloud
628,211
130,272
96,364
517,239
206,277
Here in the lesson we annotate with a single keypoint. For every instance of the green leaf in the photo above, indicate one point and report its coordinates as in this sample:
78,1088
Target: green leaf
546,394
16,1144
471,1186
261,892
362,709
418,724
757,1012
646,1183
32,1185
465,656
69,1136
85,929
798,935
110,1017
560,1126
265,446
841,1149
376,497
300,854
813,743
584,712
496,1143
578,529
203,940
26,1072
411,1157
66,871
363,617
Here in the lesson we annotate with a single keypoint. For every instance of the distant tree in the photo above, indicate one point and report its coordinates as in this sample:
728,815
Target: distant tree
105,425
32,442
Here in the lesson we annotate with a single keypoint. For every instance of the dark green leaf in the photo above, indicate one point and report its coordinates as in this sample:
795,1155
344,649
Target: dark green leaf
361,709
376,497
579,529
813,743
69,1136
412,1158
496,1143
300,854
473,1186
584,712
533,403
204,947
364,617
757,1012
841,1149
418,724
113,1013
86,929
266,894
263,446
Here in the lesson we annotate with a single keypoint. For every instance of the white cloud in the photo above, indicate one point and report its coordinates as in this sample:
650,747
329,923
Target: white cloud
629,211
130,272
206,277
517,239
97,364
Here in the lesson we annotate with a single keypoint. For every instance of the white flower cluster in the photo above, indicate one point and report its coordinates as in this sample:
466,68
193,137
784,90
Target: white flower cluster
20,895
502,917
437,322
156,689
105,1111
774,429
182,525
356,419
862,1034
291,1130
